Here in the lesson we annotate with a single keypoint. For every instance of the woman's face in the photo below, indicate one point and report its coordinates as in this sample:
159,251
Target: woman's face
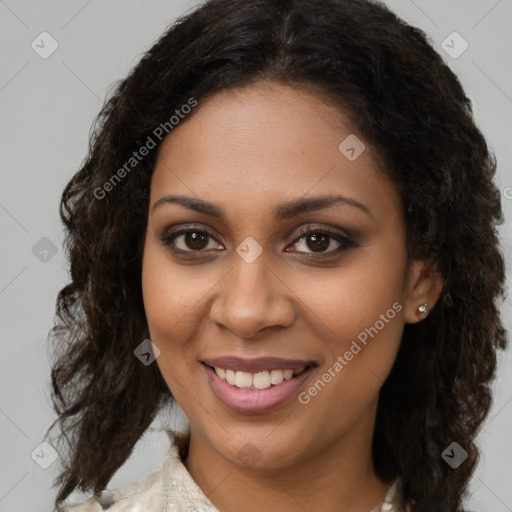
279,257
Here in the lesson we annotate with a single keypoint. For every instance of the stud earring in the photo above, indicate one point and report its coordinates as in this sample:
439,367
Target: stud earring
423,309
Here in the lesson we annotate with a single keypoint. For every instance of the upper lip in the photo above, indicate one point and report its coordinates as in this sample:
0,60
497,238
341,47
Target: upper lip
259,364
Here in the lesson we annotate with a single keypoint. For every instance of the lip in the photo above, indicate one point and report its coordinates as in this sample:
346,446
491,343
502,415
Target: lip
247,401
260,364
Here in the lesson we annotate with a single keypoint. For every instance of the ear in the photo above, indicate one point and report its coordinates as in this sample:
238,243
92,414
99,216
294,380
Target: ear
424,285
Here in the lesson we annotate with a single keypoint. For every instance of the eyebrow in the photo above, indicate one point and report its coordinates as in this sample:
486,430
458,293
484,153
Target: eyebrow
281,212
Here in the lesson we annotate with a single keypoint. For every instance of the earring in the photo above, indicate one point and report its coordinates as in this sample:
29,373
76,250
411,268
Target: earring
423,309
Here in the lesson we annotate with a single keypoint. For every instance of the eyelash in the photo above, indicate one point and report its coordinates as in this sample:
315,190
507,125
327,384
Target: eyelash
345,241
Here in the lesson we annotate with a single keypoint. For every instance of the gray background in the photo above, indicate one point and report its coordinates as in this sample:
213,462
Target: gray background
46,109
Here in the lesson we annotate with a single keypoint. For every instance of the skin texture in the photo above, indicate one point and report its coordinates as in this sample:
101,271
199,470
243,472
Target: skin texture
247,151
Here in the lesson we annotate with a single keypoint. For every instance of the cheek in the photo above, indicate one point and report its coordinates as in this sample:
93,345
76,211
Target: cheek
165,303
361,306
176,309
353,298
166,306
171,295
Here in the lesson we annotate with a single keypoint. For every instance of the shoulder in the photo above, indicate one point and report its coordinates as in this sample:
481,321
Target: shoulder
146,494
150,493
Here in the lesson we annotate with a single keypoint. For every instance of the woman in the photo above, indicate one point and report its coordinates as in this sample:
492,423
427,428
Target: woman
286,224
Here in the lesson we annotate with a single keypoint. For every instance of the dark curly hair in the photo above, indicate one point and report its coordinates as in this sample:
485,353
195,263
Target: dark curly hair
410,106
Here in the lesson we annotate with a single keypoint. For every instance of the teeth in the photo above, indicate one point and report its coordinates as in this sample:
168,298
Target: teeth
276,376
259,380
243,379
230,377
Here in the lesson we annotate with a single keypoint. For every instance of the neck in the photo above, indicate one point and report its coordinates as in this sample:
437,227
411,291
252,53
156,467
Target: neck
338,478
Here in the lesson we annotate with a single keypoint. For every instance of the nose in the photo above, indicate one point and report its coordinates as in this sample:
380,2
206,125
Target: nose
252,297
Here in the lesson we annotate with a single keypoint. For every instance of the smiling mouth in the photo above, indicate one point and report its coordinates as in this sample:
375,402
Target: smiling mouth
256,386
258,380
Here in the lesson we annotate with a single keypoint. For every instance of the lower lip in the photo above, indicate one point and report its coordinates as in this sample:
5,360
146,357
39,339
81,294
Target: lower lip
248,401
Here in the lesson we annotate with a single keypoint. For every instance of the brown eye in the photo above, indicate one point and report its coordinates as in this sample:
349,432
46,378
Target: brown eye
317,242
190,240
196,240
321,242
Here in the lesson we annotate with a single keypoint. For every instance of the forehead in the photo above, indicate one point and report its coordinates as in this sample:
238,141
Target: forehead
266,143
